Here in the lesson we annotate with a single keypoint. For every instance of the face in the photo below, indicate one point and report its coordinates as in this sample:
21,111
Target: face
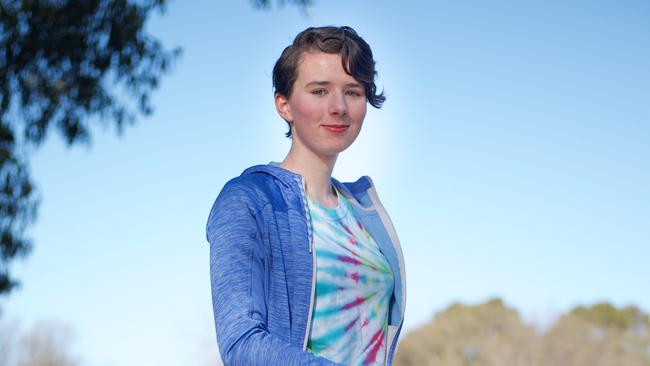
327,106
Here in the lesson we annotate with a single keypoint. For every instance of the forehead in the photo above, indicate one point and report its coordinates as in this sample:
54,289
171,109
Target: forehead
321,65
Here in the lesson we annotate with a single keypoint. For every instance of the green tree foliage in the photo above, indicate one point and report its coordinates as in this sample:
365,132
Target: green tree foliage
598,335
493,334
265,4
65,64
462,335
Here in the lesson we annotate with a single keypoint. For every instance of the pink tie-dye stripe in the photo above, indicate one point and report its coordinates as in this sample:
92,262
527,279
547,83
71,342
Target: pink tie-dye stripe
378,340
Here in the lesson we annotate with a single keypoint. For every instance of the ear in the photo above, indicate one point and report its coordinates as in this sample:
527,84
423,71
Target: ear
283,107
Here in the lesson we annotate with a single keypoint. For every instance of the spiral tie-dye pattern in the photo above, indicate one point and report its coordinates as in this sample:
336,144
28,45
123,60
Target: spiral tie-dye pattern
354,283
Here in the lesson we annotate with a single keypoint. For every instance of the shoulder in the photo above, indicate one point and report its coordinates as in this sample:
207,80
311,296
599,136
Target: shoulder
247,196
246,190
256,187
238,203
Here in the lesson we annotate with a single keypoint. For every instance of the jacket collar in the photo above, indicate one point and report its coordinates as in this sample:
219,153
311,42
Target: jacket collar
289,178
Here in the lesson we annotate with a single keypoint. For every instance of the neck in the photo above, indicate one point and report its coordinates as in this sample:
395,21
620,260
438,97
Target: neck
317,171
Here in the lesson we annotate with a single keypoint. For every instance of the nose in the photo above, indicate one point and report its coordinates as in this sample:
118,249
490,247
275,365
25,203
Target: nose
338,106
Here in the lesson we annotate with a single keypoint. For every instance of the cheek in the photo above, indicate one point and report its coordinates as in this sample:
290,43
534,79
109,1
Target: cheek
359,112
305,108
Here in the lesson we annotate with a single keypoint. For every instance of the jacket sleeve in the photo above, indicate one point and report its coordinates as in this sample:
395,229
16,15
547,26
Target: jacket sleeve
236,274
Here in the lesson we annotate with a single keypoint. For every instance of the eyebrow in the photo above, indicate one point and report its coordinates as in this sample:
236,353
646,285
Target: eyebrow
325,83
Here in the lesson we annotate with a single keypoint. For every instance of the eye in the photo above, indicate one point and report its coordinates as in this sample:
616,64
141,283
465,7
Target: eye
318,91
354,93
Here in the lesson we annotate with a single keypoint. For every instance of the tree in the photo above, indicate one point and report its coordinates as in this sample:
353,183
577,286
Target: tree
265,4
64,65
492,334
46,343
488,334
600,335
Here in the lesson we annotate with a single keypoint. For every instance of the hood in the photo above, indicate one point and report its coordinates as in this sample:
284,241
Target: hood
274,169
352,190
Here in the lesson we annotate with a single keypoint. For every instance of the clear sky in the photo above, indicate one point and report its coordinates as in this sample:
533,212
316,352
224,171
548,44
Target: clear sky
513,154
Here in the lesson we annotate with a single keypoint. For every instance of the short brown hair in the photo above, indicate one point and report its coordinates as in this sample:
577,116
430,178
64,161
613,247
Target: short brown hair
355,54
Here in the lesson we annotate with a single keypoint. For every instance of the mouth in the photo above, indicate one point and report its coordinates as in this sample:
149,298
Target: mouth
336,128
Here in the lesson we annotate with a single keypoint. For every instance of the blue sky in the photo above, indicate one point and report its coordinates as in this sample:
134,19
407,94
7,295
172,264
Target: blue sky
513,154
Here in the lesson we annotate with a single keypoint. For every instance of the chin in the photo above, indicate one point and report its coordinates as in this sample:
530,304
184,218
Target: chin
335,150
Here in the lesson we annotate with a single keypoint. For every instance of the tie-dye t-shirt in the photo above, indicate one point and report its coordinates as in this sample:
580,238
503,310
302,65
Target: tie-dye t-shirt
354,284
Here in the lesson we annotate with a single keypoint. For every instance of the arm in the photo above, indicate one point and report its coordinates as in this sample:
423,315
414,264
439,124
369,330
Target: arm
236,273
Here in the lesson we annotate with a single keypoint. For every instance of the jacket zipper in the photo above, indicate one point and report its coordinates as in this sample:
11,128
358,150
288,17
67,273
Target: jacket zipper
388,224
303,193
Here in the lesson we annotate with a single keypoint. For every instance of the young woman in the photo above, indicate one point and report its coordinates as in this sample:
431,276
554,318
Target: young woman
306,270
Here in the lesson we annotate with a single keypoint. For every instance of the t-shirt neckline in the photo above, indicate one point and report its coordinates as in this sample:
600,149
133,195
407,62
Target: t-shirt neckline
334,213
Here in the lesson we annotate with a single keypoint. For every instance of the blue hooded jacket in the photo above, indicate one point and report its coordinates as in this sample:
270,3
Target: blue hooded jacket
262,265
